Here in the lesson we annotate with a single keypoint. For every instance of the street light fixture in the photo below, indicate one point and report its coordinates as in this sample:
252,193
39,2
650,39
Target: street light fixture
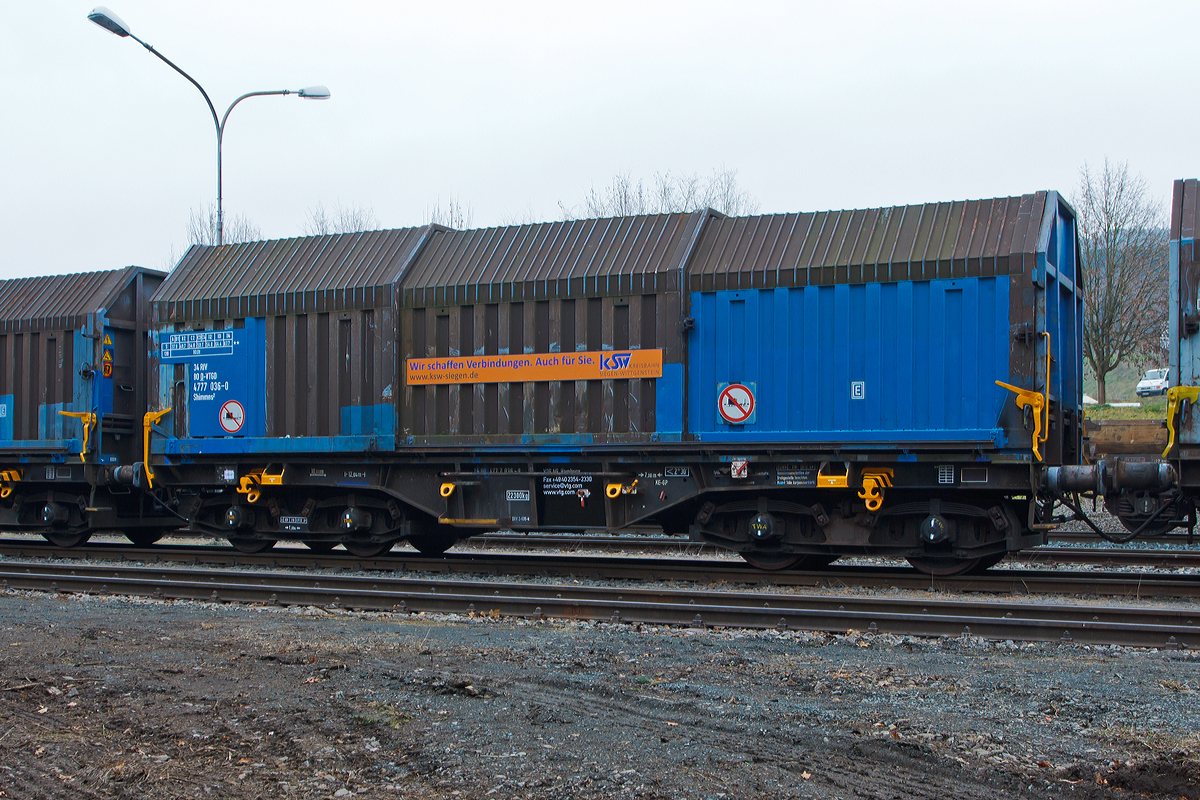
112,23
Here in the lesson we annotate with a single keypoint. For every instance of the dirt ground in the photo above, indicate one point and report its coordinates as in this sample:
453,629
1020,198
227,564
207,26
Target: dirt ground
117,698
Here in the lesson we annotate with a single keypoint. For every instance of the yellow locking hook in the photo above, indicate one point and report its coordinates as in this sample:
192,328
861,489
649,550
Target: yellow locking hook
148,421
1038,402
7,478
88,420
248,486
1176,396
874,481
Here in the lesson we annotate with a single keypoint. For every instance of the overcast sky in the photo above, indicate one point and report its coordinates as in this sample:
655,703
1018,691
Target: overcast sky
513,107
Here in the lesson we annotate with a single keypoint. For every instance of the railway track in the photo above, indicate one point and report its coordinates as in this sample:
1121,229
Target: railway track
693,571
1050,554
680,545
992,619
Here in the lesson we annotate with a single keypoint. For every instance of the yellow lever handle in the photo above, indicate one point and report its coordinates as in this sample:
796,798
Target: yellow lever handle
88,420
1176,395
1037,402
147,421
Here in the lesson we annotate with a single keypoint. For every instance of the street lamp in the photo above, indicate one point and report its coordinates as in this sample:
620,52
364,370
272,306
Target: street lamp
114,24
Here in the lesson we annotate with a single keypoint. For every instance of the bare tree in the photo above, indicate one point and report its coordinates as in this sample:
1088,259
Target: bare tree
170,261
621,198
725,195
202,227
1124,246
523,216
340,219
453,215
668,194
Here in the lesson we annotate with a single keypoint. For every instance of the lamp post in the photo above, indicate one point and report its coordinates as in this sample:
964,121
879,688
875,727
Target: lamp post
114,24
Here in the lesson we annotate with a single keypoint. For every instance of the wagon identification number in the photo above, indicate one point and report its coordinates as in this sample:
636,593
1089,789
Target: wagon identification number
592,365
227,371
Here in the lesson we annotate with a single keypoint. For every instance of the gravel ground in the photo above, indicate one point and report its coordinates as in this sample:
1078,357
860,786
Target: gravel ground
120,698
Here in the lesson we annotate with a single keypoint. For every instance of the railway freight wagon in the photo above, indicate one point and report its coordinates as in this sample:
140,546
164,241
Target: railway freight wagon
72,406
1172,499
792,387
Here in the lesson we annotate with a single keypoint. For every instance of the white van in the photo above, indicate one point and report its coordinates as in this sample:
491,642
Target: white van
1156,381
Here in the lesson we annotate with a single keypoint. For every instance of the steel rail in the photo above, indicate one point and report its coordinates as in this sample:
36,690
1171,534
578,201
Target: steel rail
1099,625
704,571
680,544
1049,554
1180,537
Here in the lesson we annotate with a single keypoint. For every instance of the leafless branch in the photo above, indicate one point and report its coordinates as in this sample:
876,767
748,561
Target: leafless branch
202,227
1123,242
352,218
668,194
453,215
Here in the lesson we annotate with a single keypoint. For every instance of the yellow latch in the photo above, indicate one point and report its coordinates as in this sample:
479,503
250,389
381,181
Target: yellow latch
615,490
1037,402
269,479
148,421
874,481
832,481
88,420
1176,396
7,478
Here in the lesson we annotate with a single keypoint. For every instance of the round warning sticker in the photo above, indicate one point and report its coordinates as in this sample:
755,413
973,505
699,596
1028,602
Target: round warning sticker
233,416
736,404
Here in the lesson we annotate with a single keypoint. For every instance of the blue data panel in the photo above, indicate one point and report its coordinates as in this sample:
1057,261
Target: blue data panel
227,374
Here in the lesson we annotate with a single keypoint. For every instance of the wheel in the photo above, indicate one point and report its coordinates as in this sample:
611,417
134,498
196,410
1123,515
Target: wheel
145,538
320,546
368,549
987,562
1130,516
1133,520
67,538
761,559
251,545
949,566
431,544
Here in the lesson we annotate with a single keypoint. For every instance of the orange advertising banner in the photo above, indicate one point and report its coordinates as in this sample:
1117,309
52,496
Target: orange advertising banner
528,367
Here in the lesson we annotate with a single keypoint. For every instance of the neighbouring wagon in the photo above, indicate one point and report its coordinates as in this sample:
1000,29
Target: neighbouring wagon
73,398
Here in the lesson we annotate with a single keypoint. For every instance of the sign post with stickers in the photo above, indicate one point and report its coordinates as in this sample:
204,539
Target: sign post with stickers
227,374
736,404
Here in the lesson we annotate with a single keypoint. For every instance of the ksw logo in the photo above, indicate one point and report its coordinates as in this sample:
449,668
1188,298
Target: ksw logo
615,361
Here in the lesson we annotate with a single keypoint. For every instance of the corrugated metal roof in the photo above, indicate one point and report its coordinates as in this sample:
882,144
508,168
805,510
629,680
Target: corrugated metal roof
311,273
620,255
918,242
59,302
1185,210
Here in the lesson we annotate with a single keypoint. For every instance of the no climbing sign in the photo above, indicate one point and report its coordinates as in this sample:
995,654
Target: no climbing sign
736,404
